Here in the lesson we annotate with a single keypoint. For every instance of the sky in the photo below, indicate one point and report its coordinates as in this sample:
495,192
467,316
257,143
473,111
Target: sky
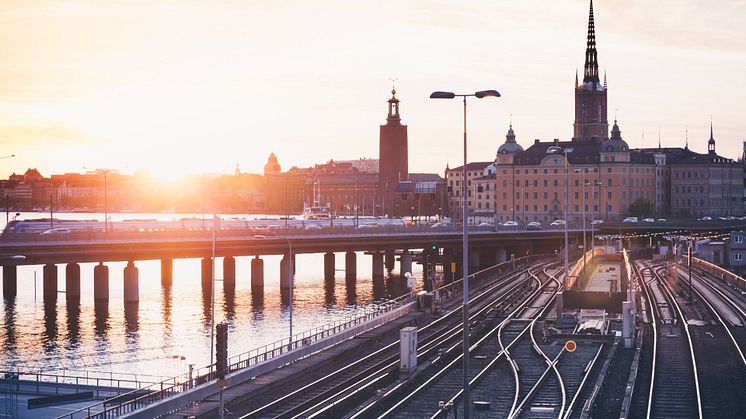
193,86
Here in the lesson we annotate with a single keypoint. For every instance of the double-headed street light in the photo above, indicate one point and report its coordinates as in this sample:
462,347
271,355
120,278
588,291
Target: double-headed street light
564,151
465,211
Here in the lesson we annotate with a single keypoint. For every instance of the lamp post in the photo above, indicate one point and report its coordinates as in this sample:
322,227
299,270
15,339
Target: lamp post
564,151
593,211
585,249
465,209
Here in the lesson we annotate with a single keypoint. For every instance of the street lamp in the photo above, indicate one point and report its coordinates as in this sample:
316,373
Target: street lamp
585,249
478,95
596,182
564,151
7,212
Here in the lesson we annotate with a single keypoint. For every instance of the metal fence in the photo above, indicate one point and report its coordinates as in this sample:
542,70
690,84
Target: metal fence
155,392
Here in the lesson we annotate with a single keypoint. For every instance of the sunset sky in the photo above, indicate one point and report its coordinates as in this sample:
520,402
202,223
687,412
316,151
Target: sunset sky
178,87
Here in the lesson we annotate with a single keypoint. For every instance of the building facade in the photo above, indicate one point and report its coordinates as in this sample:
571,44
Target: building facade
596,175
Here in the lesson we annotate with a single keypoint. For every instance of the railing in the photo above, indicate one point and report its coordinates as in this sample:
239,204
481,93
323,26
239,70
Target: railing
156,392
167,235
725,275
103,382
308,337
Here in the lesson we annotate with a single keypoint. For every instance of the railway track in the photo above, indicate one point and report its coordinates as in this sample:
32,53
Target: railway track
444,380
342,389
673,389
719,348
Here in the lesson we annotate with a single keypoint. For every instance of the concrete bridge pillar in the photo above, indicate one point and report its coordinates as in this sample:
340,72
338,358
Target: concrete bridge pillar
257,273
10,281
329,265
405,264
473,260
285,275
101,282
229,272
207,274
390,261
350,265
487,257
131,283
377,266
72,281
167,272
501,255
50,282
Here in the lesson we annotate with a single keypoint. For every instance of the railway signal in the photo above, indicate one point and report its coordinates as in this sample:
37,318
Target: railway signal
570,346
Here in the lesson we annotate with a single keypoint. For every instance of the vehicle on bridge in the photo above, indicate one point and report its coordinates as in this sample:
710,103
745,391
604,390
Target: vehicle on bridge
533,225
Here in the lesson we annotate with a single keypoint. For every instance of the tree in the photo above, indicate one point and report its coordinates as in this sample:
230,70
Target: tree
640,207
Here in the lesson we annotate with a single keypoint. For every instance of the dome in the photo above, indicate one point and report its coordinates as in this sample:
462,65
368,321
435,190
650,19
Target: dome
272,165
615,143
510,146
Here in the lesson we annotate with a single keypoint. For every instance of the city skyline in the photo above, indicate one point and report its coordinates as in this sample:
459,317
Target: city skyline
194,89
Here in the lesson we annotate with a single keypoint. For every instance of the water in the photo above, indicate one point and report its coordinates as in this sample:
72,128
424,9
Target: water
170,327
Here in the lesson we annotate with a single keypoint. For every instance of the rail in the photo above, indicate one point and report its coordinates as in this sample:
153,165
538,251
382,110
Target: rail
156,392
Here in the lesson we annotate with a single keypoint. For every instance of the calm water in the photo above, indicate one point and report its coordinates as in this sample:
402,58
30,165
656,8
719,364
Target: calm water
168,324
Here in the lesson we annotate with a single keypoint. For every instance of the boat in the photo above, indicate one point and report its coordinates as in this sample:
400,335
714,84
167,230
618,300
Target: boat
317,211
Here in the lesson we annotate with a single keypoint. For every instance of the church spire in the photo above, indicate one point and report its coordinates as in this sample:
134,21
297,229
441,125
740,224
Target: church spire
591,59
711,142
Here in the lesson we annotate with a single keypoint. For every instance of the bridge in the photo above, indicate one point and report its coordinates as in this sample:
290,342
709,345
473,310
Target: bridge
488,245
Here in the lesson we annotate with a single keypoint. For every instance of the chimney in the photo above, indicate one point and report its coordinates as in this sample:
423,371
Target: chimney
556,142
537,141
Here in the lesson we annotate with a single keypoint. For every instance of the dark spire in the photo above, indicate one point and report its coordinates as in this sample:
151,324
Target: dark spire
591,59
711,142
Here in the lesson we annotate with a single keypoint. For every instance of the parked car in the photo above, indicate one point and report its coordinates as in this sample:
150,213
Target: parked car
56,230
661,220
558,223
510,224
597,222
313,227
705,218
484,225
630,220
648,220
533,225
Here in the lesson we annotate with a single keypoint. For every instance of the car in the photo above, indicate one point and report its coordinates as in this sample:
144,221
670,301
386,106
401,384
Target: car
510,223
368,226
597,222
558,223
648,220
533,225
630,220
484,225
313,227
662,220
705,218
259,236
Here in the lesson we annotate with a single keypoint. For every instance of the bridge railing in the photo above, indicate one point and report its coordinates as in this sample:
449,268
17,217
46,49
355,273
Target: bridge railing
166,235
103,382
155,392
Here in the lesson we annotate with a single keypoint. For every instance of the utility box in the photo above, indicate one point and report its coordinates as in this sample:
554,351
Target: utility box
628,323
408,345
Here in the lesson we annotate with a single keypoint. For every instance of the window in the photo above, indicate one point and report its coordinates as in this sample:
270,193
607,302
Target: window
577,182
546,183
609,195
738,238
555,182
738,257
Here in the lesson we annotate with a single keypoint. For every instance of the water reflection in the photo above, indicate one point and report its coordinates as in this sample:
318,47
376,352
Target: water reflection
351,292
206,308
229,303
132,319
49,337
73,324
166,302
257,304
101,318
330,298
9,320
